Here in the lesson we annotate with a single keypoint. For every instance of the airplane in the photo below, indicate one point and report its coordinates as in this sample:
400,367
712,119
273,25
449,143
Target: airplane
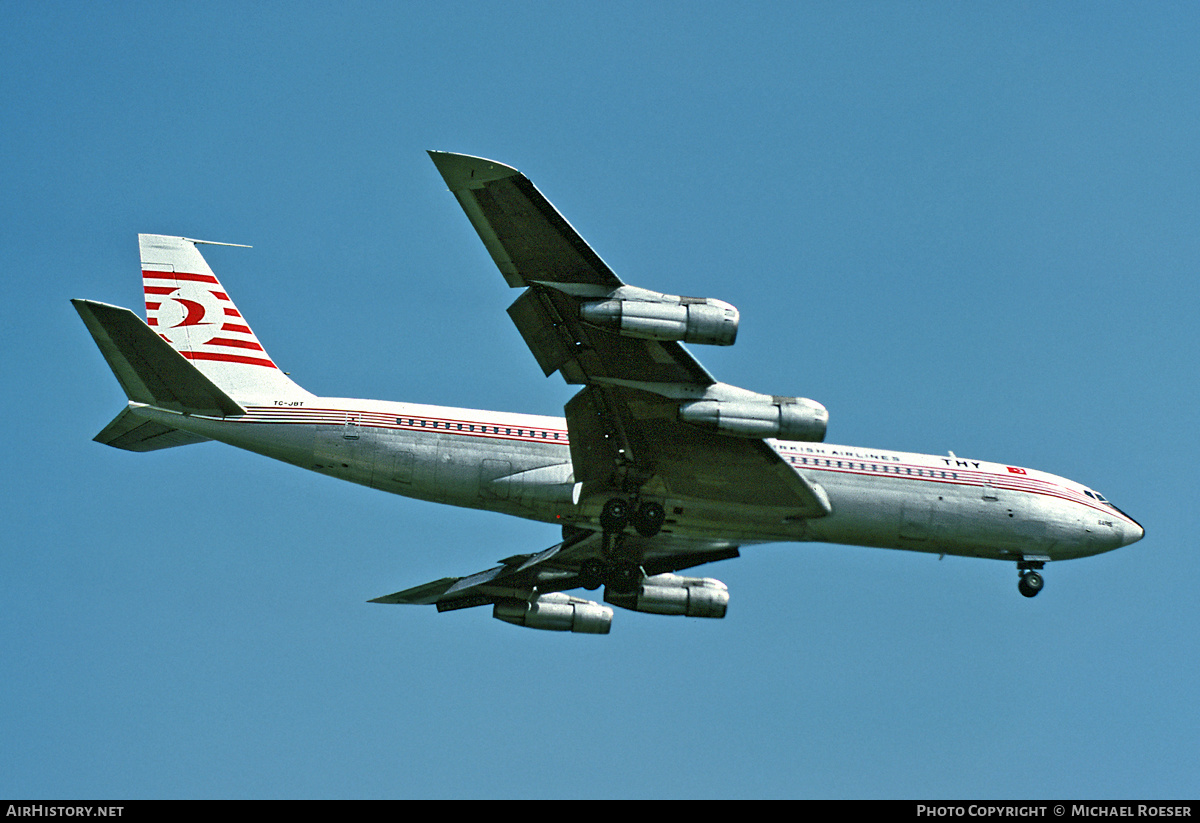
656,467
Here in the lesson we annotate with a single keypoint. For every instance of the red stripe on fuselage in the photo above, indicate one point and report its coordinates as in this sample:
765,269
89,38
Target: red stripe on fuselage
1023,484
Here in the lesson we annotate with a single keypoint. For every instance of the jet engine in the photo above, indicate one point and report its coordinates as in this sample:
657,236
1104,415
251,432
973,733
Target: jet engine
787,418
690,319
673,594
556,612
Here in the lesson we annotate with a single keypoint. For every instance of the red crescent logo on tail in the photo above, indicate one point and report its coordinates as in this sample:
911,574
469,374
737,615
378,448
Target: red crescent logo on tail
195,313
189,315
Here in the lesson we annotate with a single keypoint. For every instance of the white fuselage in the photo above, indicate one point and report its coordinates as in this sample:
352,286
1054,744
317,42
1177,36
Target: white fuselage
520,464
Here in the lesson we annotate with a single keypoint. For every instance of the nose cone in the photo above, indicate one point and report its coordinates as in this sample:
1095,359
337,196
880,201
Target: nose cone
1132,532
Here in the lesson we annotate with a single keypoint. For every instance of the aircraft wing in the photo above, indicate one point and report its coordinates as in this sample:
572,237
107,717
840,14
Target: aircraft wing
556,569
526,236
625,427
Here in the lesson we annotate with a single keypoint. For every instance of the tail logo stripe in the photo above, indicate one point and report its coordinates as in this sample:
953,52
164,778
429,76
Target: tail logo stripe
227,358
187,306
188,300
238,344
148,274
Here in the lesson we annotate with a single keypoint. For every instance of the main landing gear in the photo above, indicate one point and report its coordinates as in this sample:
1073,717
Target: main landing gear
619,575
1031,582
619,570
647,518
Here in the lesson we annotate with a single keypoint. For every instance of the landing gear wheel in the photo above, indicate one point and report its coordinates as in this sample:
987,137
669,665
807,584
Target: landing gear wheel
1030,584
625,577
648,518
591,574
615,515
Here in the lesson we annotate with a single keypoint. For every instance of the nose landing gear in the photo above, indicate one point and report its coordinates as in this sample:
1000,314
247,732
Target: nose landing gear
1031,582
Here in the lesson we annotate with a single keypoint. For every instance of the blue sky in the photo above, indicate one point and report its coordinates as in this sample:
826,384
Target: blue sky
968,227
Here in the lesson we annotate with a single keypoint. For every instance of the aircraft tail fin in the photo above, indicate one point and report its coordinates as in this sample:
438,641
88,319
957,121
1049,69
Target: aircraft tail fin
189,309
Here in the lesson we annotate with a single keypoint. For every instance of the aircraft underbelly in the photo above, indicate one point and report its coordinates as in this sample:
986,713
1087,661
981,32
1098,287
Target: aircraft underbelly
531,480
938,517
289,443
526,479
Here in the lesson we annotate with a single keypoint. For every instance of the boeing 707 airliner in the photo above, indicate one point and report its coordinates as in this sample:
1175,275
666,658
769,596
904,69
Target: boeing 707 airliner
656,467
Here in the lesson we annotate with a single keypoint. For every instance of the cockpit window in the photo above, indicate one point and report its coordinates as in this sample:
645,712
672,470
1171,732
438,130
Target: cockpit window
1101,498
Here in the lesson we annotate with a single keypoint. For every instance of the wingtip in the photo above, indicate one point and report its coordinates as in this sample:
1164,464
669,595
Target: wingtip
423,595
462,171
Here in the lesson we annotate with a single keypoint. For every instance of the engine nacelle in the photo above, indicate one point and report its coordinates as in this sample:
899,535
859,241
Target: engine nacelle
556,612
673,594
786,418
690,319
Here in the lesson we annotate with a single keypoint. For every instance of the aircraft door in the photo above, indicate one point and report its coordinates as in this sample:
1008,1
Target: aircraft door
347,450
917,519
393,463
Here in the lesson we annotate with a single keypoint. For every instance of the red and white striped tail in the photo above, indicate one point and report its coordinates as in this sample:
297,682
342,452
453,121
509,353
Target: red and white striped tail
190,309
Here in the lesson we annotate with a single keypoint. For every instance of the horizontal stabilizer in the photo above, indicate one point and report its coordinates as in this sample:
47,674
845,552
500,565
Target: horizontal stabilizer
134,433
148,368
